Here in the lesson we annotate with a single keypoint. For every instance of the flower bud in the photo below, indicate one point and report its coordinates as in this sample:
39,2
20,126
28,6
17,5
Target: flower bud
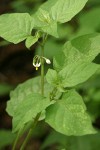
48,61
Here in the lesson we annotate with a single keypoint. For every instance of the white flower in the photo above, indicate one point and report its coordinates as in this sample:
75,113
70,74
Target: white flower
37,61
37,65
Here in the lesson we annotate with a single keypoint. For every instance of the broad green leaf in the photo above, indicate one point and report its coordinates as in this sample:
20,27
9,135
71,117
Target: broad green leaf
26,101
22,90
63,10
6,138
51,29
41,18
30,41
43,22
27,110
76,73
72,74
83,48
68,115
74,64
54,11
92,83
15,27
52,77
59,60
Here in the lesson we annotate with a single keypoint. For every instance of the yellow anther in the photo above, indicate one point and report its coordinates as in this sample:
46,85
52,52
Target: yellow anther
36,68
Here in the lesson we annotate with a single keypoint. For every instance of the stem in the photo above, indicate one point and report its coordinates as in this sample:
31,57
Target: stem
42,92
42,70
53,93
16,140
42,63
30,132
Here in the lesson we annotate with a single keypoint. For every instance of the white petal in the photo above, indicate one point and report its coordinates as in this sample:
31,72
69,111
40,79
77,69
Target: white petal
37,64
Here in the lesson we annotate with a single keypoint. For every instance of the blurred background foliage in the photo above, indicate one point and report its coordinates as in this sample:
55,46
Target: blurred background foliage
16,67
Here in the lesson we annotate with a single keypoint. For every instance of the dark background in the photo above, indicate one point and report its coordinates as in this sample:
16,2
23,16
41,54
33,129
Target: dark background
16,65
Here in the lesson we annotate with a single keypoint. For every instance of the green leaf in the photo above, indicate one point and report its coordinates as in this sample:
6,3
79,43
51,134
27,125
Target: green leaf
54,11
74,65
72,74
43,22
15,27
76,73
22,90
52,77
23,102
30,41
59,60
51,29
28,109
68,115
63,10
83,48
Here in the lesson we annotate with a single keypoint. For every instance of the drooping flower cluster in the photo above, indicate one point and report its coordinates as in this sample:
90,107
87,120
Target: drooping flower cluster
37,61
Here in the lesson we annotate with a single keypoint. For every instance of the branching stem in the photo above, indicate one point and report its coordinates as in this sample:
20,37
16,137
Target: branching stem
42,92
42,71
16,140
30,132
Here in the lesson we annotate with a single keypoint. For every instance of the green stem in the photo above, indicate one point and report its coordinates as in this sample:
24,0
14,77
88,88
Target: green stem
42,92
16,140
29,135
42,63
42,70
53,93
